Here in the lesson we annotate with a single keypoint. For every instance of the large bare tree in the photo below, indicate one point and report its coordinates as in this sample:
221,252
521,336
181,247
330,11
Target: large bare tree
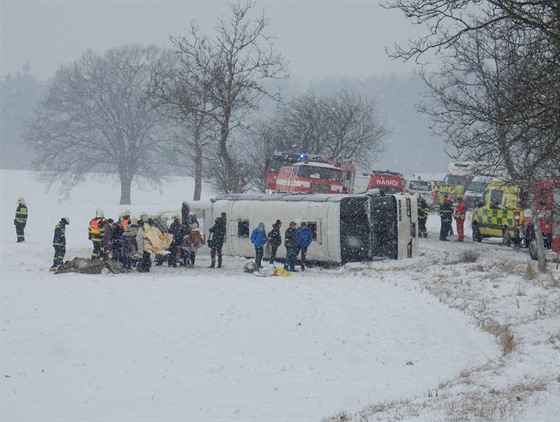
497,94
223,77
96,119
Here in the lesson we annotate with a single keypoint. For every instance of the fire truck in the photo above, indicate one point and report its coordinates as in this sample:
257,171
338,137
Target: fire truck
387,182
309,173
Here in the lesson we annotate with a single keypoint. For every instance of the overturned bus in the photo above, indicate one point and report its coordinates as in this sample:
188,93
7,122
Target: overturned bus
346,228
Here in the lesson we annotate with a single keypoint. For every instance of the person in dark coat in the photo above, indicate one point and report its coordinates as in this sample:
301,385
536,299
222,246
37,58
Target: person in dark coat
20,220
179,231
116,241
59,242
274,240
129,248
258,239
304,238
216,241
107,252
446,215
291,244
185,209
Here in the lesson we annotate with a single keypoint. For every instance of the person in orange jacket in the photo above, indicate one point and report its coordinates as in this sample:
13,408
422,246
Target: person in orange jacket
460,215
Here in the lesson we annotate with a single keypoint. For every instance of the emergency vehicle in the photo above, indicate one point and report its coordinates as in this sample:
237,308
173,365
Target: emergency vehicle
505,211
388,182
292,172
423,188
476,188
456,181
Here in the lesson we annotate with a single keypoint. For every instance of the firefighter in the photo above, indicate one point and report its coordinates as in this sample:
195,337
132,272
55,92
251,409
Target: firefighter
124,218
97,233
446,215
459,216
59,242
20,220
423,212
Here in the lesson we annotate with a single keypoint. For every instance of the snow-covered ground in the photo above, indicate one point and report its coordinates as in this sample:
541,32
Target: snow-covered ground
462,332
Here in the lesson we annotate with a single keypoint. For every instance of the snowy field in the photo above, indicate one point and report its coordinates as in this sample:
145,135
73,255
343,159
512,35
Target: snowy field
462,332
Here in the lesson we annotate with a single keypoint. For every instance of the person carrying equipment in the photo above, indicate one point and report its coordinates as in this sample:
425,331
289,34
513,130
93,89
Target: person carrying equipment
59,243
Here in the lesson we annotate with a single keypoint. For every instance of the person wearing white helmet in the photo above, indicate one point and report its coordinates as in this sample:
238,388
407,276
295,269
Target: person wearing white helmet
20,221
59,243
96,233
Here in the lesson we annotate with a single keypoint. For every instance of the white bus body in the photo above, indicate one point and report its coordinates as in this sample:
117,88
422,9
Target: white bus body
346,228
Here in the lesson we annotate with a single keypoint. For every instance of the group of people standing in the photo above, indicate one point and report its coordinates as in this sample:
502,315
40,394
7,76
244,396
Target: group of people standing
447,214
296,241
132,241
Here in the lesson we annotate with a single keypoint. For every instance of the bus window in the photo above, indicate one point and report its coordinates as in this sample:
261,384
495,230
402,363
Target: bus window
313,226
243,228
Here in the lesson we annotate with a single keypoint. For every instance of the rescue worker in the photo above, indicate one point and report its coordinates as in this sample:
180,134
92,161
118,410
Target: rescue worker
258,239
129,248
117,241
97,233
460,215
291,244
20,221
59,243
446,215
216,241
423,212
274,239
124,218
304,239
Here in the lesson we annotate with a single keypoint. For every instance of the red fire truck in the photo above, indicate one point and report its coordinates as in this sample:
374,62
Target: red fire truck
388,182
308,173
547,199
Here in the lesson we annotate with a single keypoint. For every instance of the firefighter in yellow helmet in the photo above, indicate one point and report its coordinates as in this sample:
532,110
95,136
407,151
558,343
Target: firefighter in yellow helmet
59,243
96,233
20,221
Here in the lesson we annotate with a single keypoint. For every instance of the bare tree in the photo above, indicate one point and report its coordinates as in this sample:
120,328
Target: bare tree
343,125
489,103
228,73
96,119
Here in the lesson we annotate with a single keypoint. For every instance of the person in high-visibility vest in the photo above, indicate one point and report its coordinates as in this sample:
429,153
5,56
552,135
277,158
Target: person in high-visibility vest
59,243
96,233
20,221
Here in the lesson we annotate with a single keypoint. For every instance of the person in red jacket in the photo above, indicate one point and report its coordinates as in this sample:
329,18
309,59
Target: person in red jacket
460,215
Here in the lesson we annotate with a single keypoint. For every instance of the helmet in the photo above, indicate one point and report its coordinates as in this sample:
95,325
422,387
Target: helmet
21,200
99,213
144,216
192,214
66,219
133,220
126,212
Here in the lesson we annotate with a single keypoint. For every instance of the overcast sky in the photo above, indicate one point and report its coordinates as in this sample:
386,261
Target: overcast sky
318,38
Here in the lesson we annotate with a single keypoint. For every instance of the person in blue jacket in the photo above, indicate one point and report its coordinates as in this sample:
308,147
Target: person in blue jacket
304,239
258,238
